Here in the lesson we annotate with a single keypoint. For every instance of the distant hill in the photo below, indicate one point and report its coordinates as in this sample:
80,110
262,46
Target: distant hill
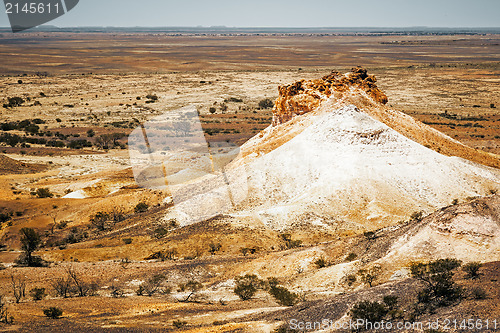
11,166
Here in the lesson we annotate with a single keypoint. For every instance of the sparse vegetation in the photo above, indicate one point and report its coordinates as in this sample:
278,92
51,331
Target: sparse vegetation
101,221
192,286
38,294
247,250
321,262
472,270
141,207
44,193
440,289
247,286
350,279
18,285
266,103
74,284
417,216
179,324
152,286
369,275
352,256
478,293
5,318
213,248
14,102
53,312
281,294
30,242
289,243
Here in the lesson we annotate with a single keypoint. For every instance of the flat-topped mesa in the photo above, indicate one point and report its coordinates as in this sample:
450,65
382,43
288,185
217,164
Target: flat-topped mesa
304,96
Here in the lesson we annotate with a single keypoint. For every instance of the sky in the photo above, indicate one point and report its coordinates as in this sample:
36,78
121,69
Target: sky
280,13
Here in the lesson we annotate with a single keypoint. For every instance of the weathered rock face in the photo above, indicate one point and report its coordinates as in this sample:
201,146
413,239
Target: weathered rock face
304,96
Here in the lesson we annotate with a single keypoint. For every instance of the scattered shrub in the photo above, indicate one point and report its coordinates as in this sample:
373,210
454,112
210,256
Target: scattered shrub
44,193
101,221
141,207
246,250
38,294
351,256
179,324
30,241
14,102
321,262
53,312
5,318
247,286
214,248
266,103
289,243
282,295
440,288
233,99
478,293
116,292
127,241
472,270
350,279
369,311
151,286
62,287
370,275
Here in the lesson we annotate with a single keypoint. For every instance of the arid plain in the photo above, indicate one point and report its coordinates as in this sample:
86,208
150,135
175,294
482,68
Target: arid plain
93,89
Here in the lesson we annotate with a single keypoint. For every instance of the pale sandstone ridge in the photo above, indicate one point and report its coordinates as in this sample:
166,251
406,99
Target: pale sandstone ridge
360,89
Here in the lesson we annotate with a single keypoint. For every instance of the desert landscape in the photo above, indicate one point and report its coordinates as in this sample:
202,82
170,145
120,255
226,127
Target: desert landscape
368,192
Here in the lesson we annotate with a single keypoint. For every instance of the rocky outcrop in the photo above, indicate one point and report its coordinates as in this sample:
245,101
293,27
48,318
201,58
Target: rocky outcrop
304,96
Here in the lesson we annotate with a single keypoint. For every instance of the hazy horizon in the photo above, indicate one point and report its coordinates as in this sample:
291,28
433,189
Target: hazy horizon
280,14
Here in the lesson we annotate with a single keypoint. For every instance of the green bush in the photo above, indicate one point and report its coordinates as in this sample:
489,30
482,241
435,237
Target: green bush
38,294
247,286
179,324
282,295
214,248
440,288
472,270
417,216
351,278
44,193
369,276
321,262
266,103
13,102
351,256
53,312
289,243
478,293
141,207
369,311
